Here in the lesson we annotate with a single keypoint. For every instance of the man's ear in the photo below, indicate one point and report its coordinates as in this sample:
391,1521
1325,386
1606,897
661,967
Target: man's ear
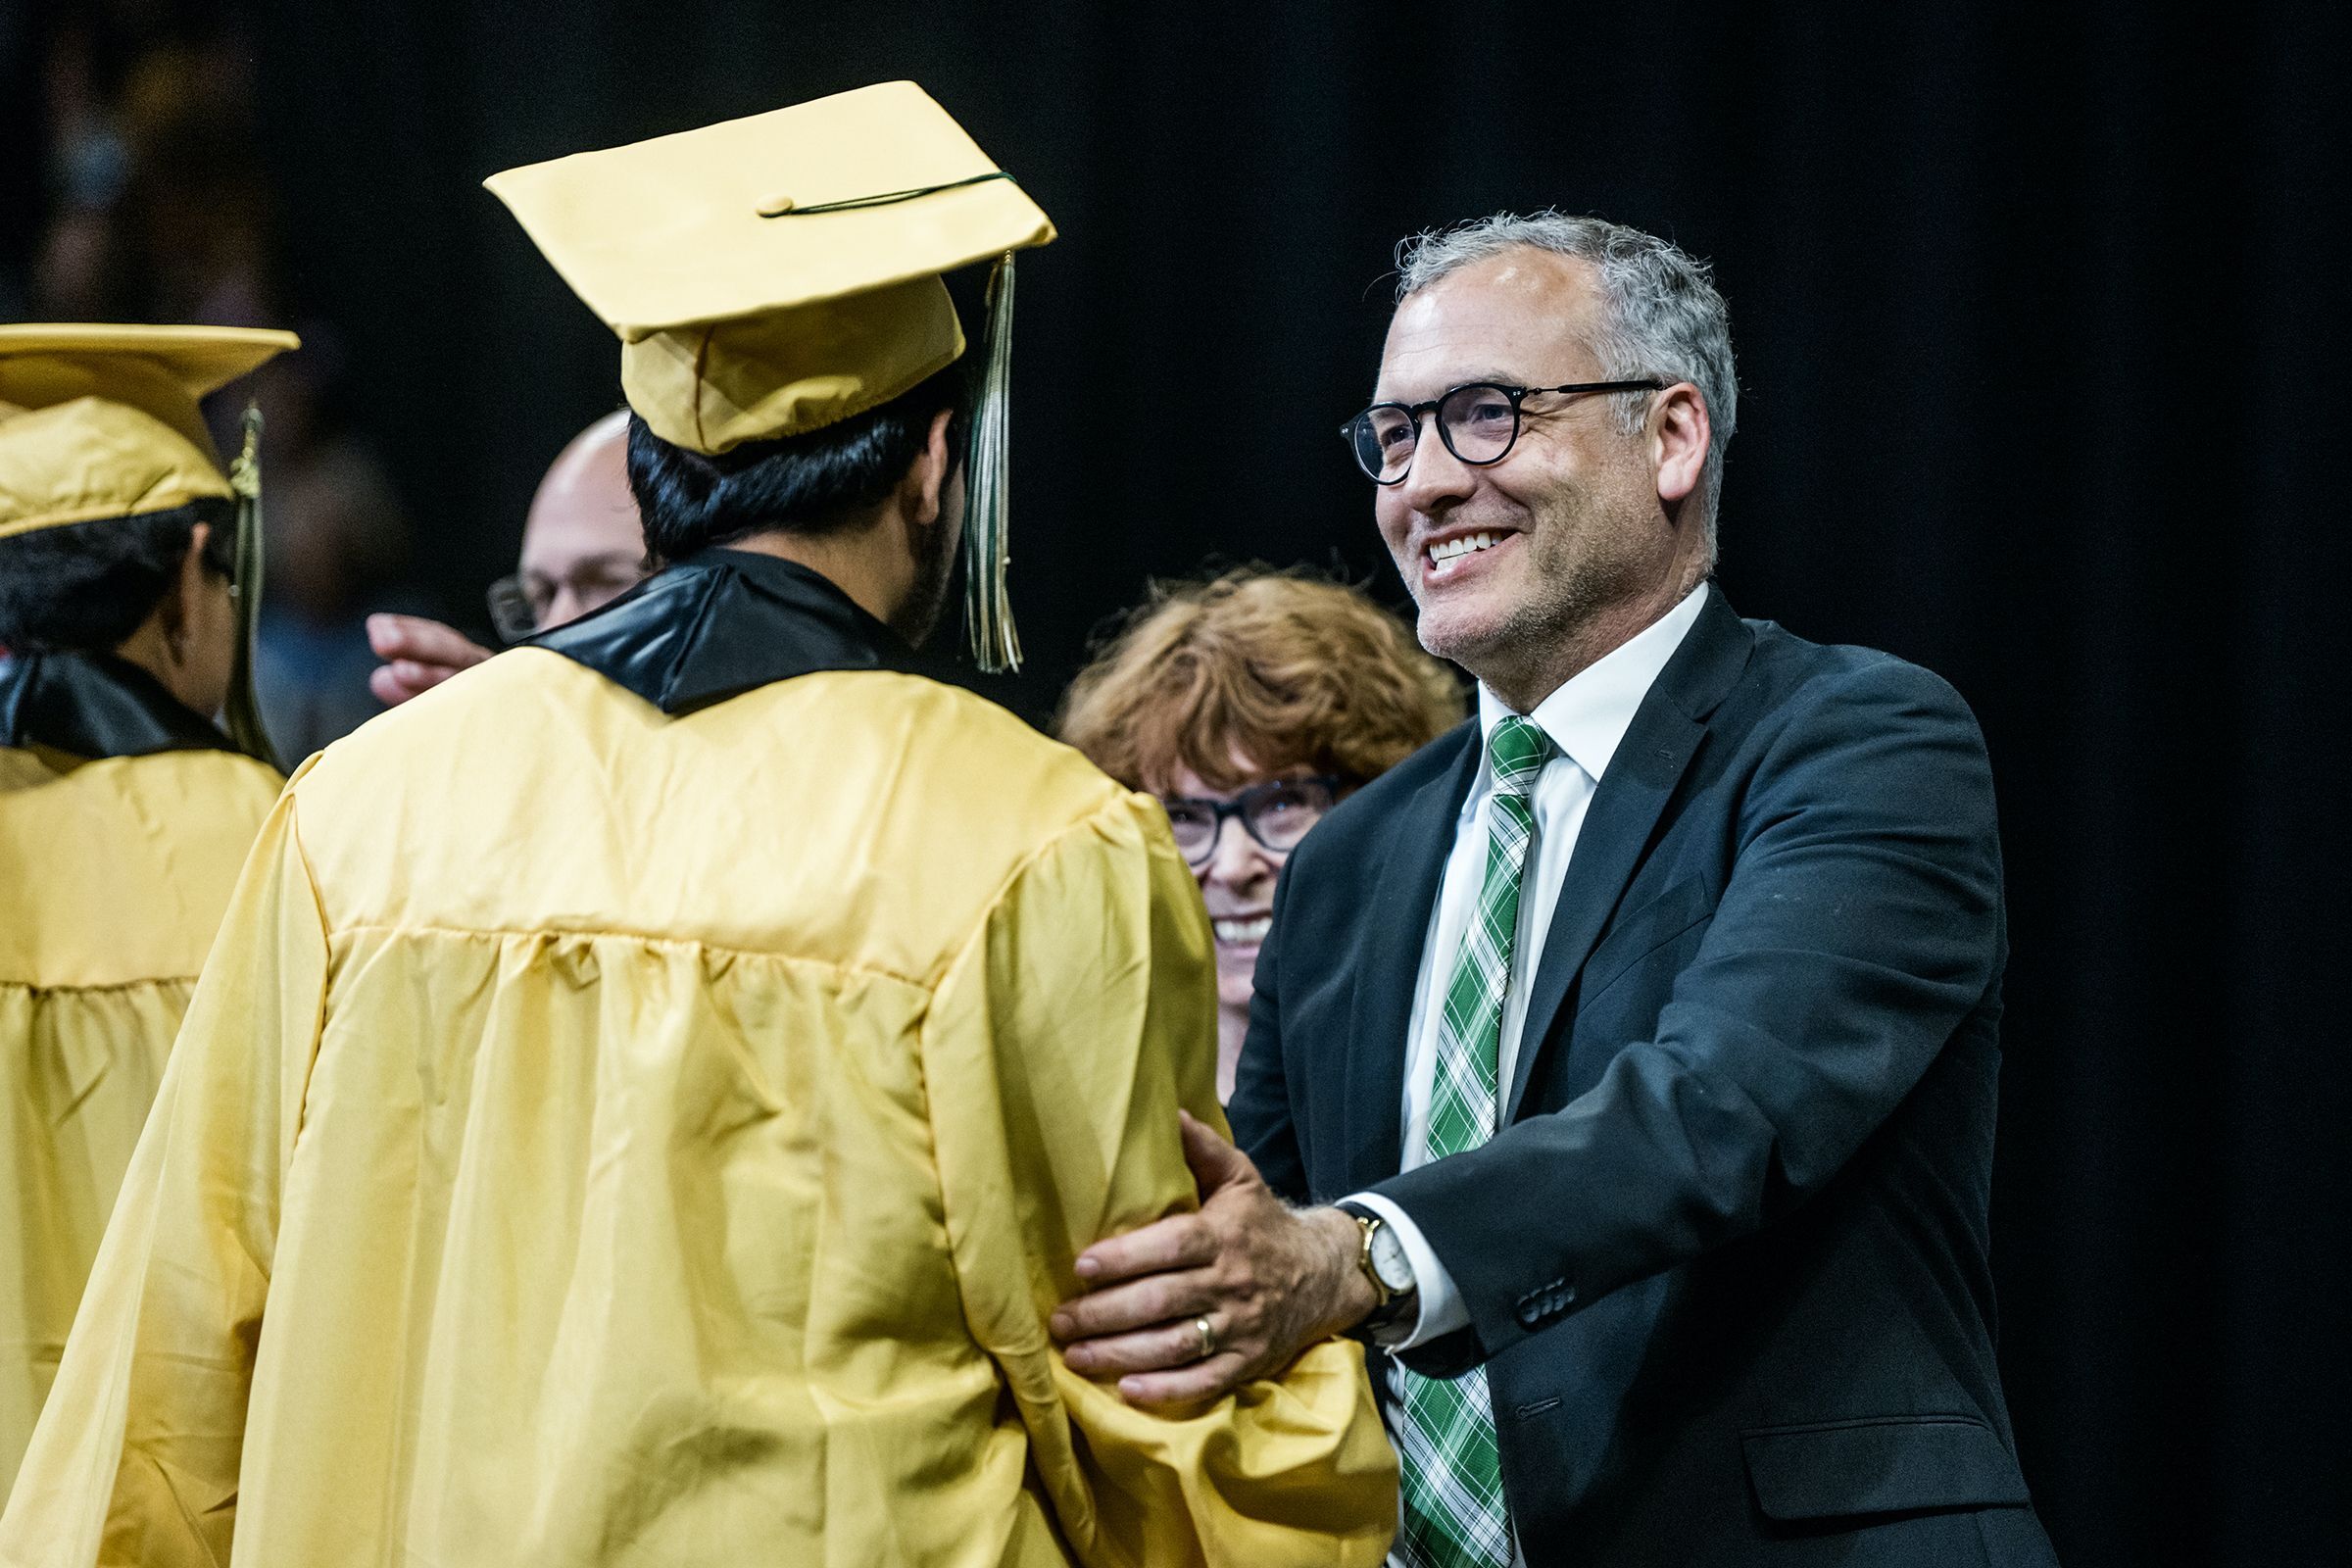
1679,434
929,476
180,606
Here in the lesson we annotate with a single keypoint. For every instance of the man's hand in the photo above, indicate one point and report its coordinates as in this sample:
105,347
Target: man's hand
1269,1280
418,653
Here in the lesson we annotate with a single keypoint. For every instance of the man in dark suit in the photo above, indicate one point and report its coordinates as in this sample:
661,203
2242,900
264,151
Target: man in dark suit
1636,1043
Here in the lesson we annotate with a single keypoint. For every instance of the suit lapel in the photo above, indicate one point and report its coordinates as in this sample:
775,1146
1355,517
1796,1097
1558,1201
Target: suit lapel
1387,961
1624,815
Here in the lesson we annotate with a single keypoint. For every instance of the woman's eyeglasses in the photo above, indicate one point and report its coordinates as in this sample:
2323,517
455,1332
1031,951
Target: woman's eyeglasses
1276,813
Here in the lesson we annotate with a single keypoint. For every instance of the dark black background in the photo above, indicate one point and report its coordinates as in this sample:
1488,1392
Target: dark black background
2038,315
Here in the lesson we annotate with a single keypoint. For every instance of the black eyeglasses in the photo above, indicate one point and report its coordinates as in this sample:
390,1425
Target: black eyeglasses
1277,814
1479,423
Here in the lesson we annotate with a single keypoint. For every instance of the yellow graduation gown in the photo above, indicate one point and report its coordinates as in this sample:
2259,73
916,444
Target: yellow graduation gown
605,1137
114,873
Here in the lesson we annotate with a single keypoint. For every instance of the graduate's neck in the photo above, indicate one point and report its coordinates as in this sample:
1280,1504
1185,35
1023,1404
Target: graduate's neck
892,560
150,650
867,562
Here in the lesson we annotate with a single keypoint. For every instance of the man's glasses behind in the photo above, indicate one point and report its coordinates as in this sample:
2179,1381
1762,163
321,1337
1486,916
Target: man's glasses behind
521,606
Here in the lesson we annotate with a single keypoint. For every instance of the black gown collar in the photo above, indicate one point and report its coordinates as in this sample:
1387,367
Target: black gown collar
721,622
96,705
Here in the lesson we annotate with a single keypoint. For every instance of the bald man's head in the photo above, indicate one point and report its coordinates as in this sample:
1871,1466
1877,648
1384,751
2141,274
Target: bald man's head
582,545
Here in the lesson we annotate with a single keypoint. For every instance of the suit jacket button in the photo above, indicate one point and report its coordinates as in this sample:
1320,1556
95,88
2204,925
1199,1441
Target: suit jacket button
1531,1313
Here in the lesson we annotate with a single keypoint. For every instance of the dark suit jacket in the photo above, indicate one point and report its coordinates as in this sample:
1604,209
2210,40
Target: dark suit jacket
1724,1262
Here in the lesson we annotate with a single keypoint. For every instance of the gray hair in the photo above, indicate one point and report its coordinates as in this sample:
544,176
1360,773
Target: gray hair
1661,316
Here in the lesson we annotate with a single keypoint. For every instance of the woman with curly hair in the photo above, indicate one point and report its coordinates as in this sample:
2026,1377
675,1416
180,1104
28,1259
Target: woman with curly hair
1250,704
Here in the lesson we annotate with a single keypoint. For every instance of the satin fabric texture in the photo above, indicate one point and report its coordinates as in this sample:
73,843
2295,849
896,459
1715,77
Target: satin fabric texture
605,1137
113,875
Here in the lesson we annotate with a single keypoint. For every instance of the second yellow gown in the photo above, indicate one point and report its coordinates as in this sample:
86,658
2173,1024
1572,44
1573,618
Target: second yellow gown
117,859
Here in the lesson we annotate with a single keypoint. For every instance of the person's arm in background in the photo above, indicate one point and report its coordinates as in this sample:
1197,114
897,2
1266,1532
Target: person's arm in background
135,1460
1077,1023
418,654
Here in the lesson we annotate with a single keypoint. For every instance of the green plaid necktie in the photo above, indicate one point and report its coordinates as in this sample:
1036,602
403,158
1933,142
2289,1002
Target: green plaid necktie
1452,1472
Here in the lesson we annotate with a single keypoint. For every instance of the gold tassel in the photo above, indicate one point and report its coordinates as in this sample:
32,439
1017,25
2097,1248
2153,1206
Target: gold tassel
243,710
987,546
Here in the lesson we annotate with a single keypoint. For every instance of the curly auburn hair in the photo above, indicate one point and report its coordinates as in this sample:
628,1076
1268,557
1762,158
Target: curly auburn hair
1284,668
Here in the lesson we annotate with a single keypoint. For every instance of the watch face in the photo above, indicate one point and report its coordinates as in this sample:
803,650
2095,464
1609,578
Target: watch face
1389,1262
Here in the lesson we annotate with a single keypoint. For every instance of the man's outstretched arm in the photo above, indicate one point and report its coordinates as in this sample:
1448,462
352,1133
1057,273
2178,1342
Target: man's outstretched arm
1860,926
417,656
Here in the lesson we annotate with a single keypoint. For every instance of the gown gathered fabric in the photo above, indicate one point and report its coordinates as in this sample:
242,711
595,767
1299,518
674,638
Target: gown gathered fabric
648,1095
124,819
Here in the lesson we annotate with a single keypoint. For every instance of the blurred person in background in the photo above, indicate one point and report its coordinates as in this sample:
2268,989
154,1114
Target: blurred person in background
124,811
336,543
583,547
160,208
1250,704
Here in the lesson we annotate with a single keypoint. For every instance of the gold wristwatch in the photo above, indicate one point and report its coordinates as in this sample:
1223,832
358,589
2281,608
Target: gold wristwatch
1381,1256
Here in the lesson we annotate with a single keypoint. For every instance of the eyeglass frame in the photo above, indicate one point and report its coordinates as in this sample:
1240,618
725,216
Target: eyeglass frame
1515,395
1237,808
511,589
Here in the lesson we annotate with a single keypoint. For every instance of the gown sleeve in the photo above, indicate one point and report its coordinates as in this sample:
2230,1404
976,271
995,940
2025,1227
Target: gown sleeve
1061,1043
136,1455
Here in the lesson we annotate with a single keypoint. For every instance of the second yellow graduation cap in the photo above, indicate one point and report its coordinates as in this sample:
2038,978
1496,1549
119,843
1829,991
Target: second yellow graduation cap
102,421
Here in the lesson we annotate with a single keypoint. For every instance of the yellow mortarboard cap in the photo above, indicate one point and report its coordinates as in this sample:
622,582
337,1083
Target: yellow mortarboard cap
103,421
773,275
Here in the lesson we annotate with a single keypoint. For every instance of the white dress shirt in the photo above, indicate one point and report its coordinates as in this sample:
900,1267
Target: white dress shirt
1587,719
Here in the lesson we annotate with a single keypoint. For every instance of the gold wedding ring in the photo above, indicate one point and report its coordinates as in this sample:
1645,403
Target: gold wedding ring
1209,1337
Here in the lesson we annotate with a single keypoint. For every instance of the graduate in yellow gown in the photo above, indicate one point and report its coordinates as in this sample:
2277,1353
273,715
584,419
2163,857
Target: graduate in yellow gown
124,813
651,1089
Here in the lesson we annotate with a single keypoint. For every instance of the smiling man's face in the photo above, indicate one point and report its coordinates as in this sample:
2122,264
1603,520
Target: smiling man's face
1568,524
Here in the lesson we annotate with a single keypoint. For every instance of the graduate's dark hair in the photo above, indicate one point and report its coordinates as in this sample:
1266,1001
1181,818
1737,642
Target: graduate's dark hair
805,485
84,587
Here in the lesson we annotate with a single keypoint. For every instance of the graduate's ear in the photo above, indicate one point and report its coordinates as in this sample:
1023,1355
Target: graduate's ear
181,611
934,466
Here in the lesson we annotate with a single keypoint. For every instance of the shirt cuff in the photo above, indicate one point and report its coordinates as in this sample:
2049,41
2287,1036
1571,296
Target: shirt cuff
1439,1308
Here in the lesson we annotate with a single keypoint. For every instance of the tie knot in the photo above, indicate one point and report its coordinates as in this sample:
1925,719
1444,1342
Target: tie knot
1519,749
